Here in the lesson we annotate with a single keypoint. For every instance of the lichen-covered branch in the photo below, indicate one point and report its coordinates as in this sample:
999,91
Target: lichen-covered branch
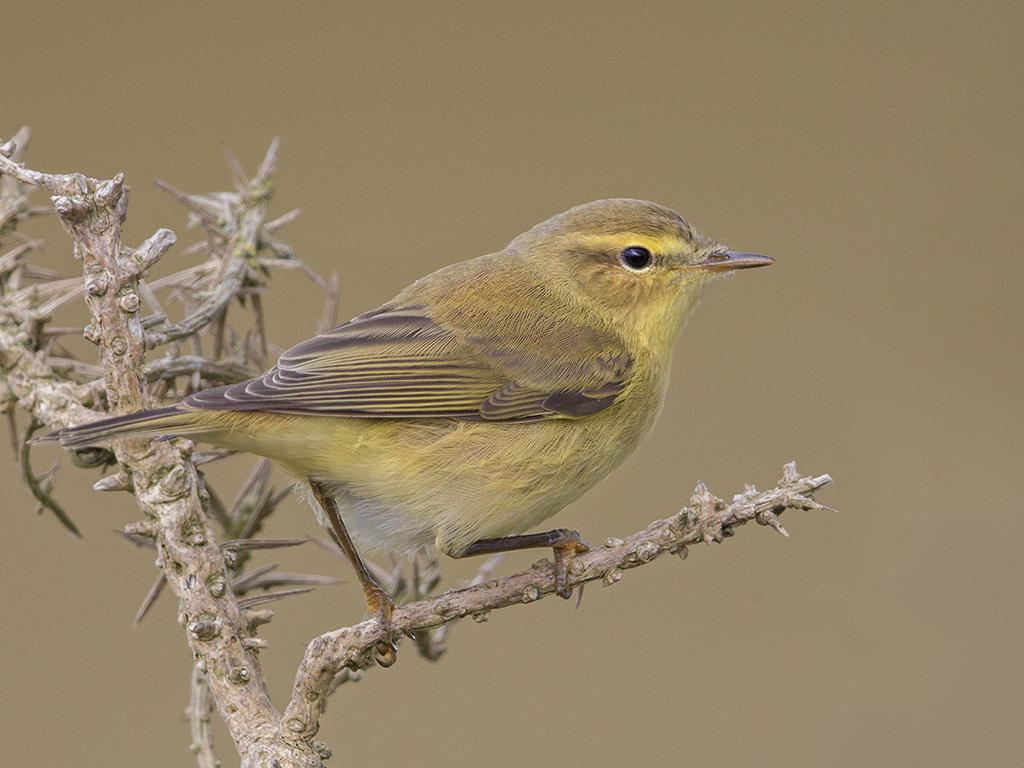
161,474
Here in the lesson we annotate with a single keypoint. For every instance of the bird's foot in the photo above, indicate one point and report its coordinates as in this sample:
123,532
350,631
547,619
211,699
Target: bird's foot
565,552
382,607
565,543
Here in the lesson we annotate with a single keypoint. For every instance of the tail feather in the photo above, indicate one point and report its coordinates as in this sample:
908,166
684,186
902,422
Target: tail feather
159,422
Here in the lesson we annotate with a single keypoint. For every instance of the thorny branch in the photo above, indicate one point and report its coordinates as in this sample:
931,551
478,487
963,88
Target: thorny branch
169,488
221,605
707,519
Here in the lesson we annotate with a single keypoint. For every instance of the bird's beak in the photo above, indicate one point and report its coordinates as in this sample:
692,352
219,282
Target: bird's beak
726,261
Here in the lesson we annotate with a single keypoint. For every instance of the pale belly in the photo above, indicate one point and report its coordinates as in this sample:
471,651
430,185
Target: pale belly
401,484
452,483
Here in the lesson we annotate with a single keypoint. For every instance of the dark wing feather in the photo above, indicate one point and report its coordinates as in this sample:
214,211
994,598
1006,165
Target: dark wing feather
400,363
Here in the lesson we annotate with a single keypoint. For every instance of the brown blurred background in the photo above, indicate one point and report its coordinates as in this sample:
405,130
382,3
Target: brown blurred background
875,153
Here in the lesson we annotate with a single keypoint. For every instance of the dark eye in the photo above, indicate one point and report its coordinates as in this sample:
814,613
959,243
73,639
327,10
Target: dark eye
636,257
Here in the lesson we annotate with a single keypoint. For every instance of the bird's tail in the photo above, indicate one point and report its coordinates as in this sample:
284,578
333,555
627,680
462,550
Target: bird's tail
159,422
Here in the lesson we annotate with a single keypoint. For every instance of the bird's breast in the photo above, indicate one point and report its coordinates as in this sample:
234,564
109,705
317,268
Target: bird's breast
404,483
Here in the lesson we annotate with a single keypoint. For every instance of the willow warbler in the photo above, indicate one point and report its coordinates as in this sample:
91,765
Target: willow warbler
481,399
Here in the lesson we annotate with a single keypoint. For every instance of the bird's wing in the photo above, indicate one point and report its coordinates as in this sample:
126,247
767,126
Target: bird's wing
399,363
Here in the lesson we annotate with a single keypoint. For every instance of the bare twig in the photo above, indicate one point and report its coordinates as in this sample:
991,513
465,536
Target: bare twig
432,643
707,519
14,203
153,248
268,576
163,478
269,597
151,596
230,280
329,318
249,544
219,371
253,489
13,258
40,487
200,707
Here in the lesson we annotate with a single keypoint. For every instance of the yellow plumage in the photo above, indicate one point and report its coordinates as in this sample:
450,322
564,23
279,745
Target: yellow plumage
484,397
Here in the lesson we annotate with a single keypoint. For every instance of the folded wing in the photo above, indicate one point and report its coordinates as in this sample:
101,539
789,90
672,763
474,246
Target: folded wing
399,363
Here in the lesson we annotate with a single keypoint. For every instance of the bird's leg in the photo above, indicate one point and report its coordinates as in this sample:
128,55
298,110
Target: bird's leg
565,544
378,601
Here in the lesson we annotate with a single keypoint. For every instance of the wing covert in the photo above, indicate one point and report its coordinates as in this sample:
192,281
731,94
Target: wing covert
398,362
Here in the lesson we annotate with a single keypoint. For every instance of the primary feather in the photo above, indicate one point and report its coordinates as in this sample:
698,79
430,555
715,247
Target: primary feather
401,363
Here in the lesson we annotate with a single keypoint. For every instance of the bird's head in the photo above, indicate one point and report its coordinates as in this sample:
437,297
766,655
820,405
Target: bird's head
636,263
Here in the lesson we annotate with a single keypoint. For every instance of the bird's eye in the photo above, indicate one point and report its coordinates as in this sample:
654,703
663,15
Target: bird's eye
636,257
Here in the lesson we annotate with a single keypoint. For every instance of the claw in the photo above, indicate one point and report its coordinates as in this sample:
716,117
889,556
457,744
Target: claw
564,553
382,607
385,653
